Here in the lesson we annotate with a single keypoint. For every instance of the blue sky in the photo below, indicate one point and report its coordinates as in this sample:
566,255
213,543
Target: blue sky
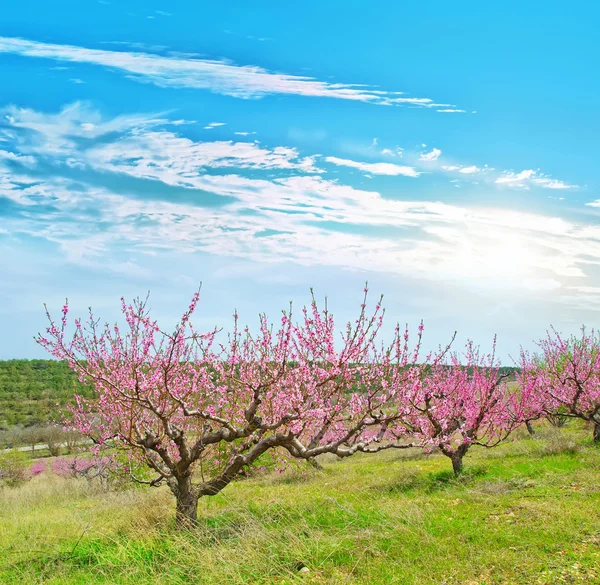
446,153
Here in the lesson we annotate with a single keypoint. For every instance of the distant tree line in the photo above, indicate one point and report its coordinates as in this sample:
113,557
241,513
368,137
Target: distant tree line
56,439
33,392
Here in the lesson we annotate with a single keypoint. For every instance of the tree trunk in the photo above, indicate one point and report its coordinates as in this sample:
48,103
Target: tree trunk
456,456
529,427
187,504
457,463
596,432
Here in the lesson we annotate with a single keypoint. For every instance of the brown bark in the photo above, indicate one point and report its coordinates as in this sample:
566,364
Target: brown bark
596,432
457,463
187,504
456,457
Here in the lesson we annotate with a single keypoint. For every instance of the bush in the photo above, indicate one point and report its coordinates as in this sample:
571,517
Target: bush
103,470
557,443
14,467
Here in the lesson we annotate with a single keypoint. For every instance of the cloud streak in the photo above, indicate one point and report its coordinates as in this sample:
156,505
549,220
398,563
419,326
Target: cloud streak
380,168
526,178
218,76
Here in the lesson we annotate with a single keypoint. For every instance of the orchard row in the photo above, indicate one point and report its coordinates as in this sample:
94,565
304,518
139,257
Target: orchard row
187,404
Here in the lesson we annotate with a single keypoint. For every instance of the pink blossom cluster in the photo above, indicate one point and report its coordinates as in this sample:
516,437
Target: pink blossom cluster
37,467
79,466
564,376
93,469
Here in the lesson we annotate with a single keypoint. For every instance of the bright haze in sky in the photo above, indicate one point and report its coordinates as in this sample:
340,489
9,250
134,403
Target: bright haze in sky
445,152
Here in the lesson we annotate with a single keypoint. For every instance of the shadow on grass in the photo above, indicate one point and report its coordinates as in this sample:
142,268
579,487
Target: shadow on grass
296,477
431,482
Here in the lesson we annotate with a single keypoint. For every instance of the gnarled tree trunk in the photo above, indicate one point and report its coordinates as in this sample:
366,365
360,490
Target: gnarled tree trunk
457,463
456,457
187,497
596,431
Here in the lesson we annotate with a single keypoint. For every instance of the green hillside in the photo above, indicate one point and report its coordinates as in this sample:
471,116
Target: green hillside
31,389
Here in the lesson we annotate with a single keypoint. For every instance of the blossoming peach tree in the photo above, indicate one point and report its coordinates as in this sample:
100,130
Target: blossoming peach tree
565,375
460,400
195,411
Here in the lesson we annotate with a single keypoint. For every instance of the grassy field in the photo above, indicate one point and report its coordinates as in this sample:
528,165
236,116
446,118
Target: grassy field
525,513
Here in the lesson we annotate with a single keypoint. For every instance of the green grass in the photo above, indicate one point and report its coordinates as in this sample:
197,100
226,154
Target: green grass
525,513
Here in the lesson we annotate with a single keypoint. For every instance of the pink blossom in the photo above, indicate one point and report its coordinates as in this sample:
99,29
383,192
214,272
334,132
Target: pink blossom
564,377
37,467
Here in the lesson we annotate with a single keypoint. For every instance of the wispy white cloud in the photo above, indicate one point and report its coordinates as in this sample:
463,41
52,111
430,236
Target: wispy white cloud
522,180
220,76
515,179
74,130
380,168
294,215
548,183
26,160
179,160
528,177
141,142
55,134
292,219
430,156
470,170
181,122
